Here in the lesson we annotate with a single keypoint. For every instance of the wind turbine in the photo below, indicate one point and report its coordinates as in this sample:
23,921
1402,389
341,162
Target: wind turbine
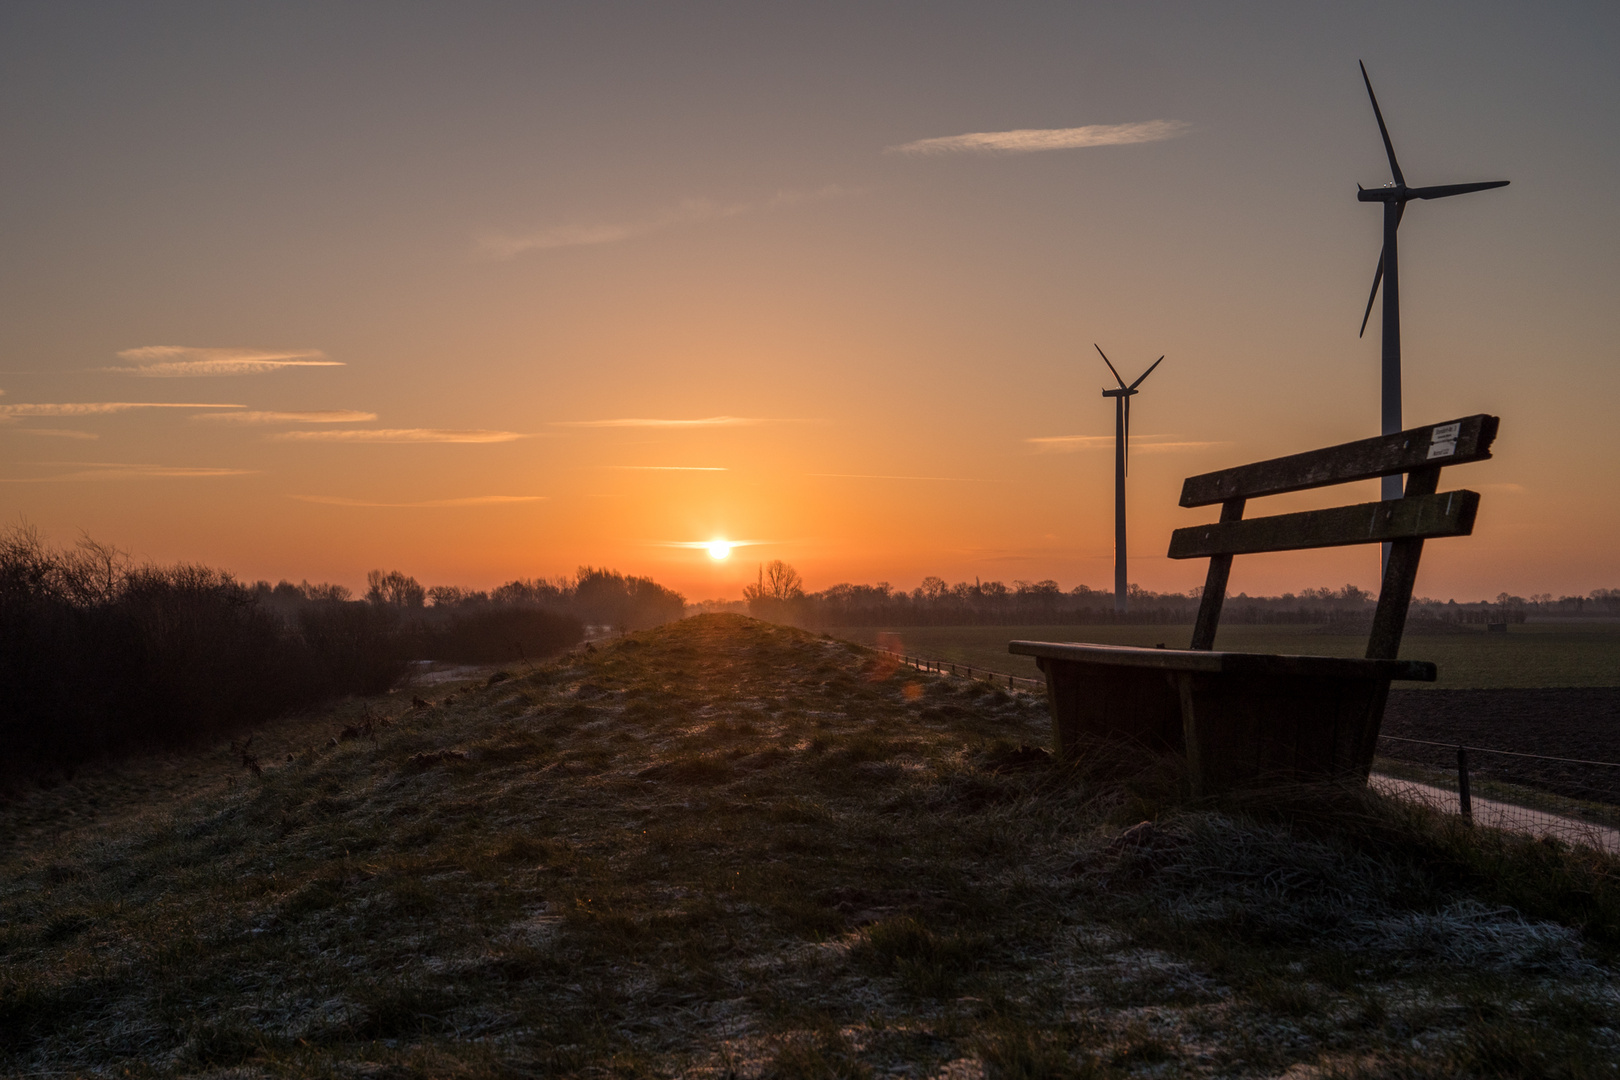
1122,452
1395,195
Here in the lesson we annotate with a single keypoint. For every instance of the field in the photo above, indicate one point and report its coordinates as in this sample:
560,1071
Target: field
728,849
1529,655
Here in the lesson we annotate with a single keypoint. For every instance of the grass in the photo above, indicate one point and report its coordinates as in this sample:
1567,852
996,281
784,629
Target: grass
723,848
1529,655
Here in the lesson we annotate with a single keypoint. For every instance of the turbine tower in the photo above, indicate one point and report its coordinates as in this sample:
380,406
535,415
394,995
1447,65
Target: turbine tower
1395,195
1122,452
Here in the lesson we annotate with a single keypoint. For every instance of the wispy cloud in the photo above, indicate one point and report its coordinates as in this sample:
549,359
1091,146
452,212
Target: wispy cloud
472,500
109,470
401,435
887,476
317,416
704,545
690,211
1140,444
180,361
58,433
96,408
1029,140
670,468
707,421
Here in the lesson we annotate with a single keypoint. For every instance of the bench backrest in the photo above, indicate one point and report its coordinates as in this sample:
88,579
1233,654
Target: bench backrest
1404,523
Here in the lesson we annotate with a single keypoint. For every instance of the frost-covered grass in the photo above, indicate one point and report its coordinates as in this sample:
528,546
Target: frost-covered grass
724,848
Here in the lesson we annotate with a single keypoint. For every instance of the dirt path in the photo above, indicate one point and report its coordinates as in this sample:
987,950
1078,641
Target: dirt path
1500,815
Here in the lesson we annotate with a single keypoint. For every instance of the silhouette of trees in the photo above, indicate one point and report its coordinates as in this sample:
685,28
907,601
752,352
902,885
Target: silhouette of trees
934,603
777,595
609,598
394,589
99,656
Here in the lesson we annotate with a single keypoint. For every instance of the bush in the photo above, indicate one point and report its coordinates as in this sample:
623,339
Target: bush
98,658
499,634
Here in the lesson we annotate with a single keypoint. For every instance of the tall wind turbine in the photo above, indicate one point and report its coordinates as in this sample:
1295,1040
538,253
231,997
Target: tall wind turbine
1122,452
1395,195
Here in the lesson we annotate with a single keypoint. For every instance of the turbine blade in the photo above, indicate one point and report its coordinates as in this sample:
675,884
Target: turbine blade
1377,278
1389,148
1440,191
1145,374
1109,362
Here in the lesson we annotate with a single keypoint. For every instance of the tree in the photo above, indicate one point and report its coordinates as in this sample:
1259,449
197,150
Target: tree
394,589
777,581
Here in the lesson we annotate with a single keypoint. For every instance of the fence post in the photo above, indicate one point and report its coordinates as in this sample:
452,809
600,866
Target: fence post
1465,802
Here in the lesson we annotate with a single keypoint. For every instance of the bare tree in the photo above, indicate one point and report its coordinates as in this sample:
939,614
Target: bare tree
782,582
395,589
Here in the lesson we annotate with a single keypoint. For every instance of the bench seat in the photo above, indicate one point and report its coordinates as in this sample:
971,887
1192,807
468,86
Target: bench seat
1240,718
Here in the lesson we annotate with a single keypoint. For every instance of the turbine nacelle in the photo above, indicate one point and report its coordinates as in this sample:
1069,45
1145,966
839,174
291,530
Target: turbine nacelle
1395,195
1126,393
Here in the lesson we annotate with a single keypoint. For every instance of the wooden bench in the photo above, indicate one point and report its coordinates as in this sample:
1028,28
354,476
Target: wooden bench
1248,718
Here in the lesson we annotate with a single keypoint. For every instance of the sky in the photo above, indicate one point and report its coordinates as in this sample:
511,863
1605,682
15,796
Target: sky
481,291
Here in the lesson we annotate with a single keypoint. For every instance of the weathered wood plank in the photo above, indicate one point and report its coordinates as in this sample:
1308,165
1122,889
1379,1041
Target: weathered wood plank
1217,663
1456,442
1449,513
1220,569
1400,575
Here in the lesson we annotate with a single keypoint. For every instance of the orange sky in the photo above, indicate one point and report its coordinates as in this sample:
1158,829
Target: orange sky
501,293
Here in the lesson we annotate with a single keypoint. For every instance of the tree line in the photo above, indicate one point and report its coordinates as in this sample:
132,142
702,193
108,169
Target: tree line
100,656
779,596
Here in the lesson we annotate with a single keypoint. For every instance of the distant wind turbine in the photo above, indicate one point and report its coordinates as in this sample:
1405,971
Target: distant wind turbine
1122,452
1395,195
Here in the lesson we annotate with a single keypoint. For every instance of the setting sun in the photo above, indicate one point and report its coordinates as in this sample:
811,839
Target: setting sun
719,549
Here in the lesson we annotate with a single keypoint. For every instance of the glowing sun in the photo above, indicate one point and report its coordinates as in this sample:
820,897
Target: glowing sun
719,549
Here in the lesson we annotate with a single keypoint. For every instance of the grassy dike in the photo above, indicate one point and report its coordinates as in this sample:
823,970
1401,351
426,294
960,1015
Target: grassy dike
723,848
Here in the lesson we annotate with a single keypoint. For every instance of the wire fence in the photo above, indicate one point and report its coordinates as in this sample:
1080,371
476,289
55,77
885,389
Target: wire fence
965,671
1485,796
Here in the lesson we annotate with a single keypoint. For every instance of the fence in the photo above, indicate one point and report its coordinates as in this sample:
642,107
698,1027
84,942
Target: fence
945,667
1502,805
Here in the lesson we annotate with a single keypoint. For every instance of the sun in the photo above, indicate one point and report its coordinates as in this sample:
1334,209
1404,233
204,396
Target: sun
719,549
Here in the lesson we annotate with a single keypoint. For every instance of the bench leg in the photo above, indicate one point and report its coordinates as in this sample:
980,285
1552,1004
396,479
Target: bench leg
1063,698
1189,733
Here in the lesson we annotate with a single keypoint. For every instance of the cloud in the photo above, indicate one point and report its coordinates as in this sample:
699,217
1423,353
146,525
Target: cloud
886,476
58,433
1029,140
504,246
473,500
109,470
317,416
179,361
703,545
96,408
708,421
1140,444
401,435
671,468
